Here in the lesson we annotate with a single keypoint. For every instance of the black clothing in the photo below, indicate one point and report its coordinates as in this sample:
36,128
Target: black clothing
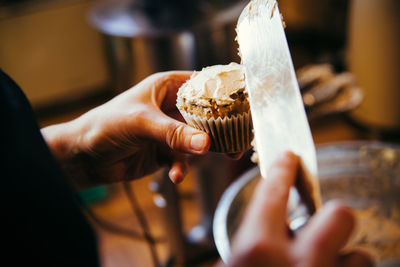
44,225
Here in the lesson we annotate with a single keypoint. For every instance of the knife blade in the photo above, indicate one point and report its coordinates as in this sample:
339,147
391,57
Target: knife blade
278,114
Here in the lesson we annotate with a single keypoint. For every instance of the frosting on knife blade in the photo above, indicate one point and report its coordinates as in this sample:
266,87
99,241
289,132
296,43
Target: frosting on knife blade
279,118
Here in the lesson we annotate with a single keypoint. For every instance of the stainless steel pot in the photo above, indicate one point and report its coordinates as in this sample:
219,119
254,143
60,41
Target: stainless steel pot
144,37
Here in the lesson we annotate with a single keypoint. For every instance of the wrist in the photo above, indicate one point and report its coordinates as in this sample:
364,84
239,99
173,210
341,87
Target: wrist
56,137
62,140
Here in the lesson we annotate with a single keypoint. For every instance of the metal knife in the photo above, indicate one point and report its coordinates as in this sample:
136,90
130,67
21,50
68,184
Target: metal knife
278,114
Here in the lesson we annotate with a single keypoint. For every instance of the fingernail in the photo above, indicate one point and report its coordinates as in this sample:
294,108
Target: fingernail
173,175
198,142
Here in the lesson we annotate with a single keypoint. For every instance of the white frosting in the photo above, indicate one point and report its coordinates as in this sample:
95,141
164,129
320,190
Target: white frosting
216,82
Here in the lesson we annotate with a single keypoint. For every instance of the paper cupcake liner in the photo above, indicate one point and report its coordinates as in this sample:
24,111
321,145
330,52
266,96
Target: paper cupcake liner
228,135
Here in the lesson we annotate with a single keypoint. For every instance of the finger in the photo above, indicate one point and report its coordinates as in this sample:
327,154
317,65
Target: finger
177,135
157,125
264,227
174,81
169,85
270,200
327,232
178,169
355,259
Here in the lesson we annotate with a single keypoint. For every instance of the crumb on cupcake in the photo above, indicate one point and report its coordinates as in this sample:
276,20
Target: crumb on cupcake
216,91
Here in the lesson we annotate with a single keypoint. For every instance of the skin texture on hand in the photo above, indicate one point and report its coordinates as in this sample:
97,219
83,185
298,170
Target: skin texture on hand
263,238
128,137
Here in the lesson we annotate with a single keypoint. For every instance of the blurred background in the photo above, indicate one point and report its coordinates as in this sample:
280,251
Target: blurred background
65,51
71,55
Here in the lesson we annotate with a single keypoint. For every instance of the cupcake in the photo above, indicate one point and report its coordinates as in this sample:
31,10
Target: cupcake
214,100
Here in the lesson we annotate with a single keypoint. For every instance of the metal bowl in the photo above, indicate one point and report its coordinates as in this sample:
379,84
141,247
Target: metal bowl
364,175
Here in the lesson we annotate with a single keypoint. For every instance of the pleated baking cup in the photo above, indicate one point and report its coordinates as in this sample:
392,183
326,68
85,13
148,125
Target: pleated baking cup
228,135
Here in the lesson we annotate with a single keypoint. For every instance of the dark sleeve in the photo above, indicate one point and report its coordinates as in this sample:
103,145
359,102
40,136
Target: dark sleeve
44,225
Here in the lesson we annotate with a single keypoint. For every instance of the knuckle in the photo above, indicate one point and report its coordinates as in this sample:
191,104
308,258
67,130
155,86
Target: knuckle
156,75
138,117
174,133
139,114
162,76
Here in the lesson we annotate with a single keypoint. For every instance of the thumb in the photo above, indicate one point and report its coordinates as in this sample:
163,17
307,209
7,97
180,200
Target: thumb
182,137
177,135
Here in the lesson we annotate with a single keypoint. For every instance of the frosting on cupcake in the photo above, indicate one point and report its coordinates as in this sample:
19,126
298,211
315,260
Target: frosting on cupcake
217,84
